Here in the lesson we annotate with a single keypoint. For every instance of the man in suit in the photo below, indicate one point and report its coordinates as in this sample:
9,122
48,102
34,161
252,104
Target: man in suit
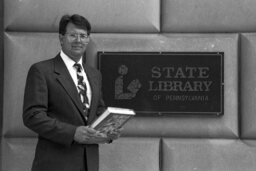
62,97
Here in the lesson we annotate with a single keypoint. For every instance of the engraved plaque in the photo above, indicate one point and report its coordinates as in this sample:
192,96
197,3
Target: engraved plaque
182,83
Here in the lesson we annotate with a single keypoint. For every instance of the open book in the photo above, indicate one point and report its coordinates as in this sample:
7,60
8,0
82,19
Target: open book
112,118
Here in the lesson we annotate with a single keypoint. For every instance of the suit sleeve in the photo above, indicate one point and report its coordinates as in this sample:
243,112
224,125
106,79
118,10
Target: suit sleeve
35,109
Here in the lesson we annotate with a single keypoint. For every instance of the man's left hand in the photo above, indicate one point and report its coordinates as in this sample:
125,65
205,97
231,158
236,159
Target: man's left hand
115,134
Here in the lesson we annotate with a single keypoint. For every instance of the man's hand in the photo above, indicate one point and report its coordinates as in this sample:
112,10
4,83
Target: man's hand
115,134
87,135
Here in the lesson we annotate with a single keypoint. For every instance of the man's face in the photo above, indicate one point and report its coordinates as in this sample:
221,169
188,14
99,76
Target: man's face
74,42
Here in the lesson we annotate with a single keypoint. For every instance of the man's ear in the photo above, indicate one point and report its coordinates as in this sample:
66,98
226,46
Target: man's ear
61,38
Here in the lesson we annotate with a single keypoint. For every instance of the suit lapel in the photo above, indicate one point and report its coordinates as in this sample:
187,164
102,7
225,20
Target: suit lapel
66,81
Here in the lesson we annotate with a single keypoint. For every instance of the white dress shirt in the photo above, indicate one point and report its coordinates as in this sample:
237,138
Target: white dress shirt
72,71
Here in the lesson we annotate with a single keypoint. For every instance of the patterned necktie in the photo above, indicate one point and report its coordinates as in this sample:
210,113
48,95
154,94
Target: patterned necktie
81,87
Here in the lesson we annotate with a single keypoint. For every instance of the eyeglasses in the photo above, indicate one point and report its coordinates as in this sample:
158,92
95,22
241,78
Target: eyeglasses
74,36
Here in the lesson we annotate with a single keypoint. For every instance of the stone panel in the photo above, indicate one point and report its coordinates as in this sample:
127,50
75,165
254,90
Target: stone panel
195,126
208,16
105,16
21,51
126,154
20,55
208,155
17,153
248,85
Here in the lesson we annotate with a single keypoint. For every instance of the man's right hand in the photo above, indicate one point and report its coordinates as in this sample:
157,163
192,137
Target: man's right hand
87,135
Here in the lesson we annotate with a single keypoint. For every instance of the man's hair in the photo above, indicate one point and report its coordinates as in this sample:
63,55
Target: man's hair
75,19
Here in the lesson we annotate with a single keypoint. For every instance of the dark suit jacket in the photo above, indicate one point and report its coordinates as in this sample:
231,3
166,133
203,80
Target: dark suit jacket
53,110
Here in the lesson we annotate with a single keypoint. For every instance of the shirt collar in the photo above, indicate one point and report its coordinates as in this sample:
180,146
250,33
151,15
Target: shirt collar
69,62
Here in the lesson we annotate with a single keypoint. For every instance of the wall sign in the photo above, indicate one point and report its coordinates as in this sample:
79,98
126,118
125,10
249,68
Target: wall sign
182,83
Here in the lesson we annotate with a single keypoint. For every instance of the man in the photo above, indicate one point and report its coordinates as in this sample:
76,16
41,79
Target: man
62,97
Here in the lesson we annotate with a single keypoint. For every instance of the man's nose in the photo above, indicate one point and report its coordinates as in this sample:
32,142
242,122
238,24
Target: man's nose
78,38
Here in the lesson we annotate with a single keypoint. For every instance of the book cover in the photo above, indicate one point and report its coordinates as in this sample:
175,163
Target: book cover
112,118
